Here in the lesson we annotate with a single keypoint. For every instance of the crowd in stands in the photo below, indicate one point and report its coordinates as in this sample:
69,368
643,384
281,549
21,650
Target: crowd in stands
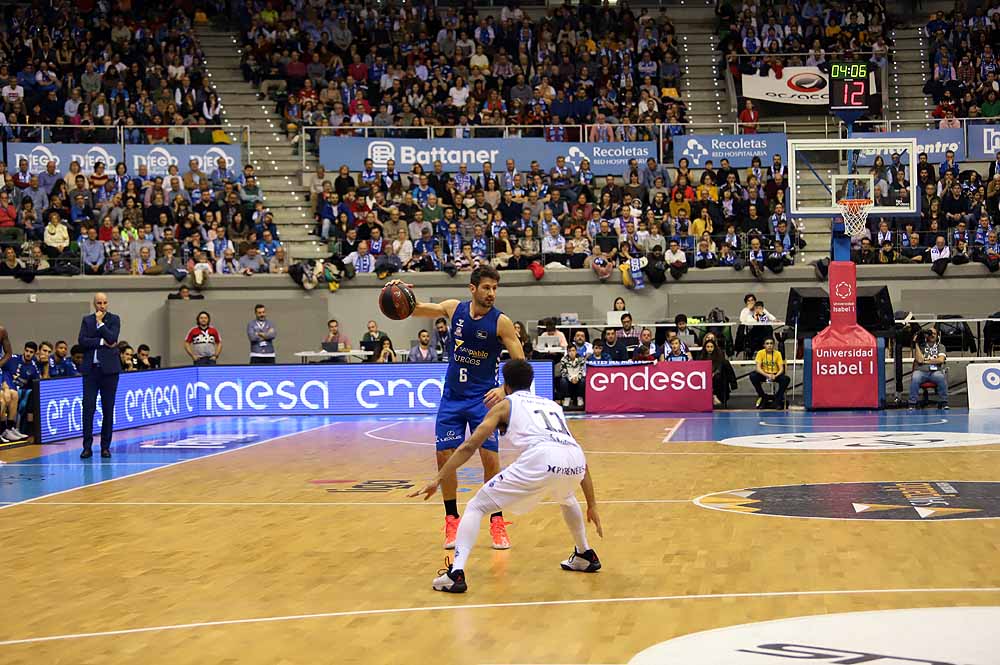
93,70
661,222
193,222
958,222
961,54
762,38
410,66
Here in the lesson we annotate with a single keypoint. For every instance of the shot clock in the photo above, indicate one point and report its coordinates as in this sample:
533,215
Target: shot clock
850,85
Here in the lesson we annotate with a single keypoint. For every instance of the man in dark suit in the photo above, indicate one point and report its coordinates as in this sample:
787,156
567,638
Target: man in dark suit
994,167
101,366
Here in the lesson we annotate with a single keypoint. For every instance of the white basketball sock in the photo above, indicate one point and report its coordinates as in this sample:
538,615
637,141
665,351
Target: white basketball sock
468,528
577,525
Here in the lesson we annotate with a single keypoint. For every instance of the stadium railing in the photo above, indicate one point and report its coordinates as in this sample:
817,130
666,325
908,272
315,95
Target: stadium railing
121,134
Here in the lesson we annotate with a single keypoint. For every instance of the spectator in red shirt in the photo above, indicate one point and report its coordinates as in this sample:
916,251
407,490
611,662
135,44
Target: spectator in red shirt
8,213
358,70
359,102
203,342
749,117
295,70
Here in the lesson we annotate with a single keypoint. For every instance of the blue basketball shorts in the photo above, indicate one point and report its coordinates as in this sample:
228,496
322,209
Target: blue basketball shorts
454,416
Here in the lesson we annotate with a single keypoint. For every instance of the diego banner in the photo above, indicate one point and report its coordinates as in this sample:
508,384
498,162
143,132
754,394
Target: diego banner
63,154
159,158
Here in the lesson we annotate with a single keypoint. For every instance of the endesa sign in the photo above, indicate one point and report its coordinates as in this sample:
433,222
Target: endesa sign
148,398
651,387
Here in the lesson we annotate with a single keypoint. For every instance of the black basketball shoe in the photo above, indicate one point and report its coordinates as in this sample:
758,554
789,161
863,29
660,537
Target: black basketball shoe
586,562
450,581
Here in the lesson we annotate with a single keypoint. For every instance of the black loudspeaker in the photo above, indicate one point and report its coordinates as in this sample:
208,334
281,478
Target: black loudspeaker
810,309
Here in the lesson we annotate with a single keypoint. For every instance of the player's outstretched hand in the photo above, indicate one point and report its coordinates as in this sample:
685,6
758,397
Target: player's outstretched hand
494,397
428,491
399,281
592,516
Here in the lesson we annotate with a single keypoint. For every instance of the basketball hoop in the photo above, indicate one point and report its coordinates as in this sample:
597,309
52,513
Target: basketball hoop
855,214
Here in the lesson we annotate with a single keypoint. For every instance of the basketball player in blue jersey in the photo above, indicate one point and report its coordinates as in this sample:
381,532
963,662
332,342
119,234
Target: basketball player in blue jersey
478,331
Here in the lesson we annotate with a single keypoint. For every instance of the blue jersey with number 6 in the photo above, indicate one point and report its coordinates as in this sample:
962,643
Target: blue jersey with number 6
474,356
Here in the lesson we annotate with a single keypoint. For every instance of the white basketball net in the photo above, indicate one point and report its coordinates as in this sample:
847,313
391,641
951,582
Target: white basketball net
855,214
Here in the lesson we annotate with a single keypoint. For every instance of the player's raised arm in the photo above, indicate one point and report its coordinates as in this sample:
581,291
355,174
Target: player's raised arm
507,335
431,310
497,416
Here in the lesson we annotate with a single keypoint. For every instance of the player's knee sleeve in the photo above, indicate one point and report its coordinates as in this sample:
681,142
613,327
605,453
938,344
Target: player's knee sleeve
569,501
482,504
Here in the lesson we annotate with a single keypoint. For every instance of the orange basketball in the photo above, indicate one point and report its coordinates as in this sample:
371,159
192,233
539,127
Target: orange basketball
397,301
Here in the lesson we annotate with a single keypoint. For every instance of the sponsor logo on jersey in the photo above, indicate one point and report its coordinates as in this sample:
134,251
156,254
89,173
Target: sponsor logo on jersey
567,470
909,500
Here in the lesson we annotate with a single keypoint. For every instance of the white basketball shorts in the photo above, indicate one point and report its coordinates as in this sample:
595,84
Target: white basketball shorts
541,472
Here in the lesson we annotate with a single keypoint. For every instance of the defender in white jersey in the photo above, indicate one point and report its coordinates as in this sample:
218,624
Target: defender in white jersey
551,465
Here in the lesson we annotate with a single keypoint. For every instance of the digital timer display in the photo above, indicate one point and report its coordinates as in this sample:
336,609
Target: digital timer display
848,70
850,86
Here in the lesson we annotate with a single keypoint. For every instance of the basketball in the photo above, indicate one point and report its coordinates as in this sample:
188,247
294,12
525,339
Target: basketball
397,301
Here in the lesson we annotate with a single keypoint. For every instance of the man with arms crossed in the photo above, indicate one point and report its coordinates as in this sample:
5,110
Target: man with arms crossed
551,464
477,331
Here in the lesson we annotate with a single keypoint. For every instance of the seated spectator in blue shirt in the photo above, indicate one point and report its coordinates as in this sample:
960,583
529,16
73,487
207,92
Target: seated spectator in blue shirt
949,165
80,212
92,253
597,356
221,175
426,244
422,191
614,348
60,363
677,353
936,24
268,245
266,223
18,374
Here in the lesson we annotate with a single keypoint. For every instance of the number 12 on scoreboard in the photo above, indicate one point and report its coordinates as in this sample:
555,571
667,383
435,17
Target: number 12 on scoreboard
854,94
850,87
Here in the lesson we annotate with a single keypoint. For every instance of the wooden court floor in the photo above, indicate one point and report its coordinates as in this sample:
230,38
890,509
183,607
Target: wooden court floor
249,557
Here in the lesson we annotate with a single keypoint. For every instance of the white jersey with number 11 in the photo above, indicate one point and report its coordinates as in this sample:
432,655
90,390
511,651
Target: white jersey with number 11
536,421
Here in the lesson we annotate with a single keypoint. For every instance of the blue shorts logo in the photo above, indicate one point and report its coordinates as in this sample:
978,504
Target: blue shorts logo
991,378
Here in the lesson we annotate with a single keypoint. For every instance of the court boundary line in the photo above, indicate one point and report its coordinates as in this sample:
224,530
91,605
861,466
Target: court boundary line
82,463
670,431
764,423
331,504
476,606
165,466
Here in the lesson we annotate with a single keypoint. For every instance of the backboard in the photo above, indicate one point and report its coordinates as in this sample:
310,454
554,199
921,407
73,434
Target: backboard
823,171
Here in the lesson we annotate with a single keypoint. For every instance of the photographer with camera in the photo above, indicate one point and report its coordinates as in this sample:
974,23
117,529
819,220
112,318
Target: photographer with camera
928,367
